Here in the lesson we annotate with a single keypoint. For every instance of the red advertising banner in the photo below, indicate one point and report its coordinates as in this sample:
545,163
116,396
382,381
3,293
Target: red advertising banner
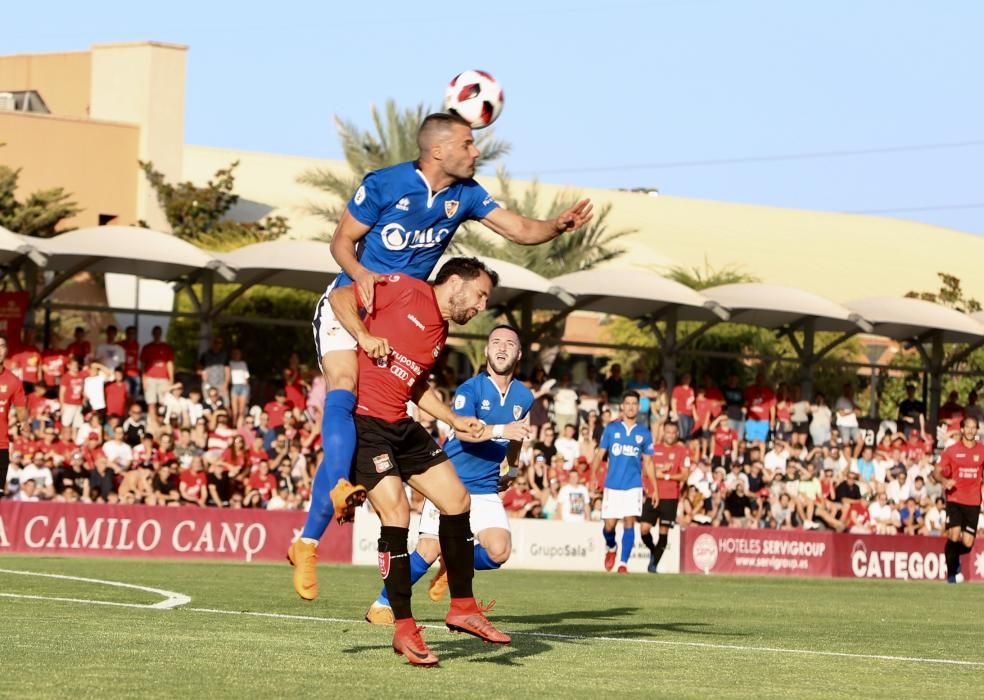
798,553
159,532
901,557
13,308
724,550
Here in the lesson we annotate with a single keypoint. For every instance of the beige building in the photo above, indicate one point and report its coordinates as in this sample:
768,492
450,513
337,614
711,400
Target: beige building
117,103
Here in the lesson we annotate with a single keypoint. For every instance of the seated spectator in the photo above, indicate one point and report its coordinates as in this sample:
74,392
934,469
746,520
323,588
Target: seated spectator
808,497
102,480
884,518
935,518
738,507
911,517
165,485
517,499
193,483
783,514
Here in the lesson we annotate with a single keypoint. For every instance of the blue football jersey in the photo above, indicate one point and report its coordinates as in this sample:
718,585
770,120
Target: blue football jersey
625,447
410,226
477,463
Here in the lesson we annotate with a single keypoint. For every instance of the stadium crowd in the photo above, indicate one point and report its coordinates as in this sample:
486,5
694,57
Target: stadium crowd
111,423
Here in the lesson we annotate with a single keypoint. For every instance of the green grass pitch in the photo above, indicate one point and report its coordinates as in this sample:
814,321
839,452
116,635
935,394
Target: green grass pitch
576,635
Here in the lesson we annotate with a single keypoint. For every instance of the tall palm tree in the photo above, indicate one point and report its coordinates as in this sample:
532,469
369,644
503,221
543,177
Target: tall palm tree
392,140
583,249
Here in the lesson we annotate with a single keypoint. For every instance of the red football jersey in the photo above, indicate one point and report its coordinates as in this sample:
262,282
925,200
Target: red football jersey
73,385
195,482
131,365
11,395
724,439
155,357
28,362
115,398
53,363
965,465
677,456
683,400
759,401
406,314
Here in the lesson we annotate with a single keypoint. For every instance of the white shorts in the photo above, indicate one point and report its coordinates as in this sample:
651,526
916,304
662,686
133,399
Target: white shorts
621,503
486,512
329,335
71,415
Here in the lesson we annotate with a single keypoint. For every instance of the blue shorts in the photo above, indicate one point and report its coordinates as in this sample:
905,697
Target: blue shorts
239,389
756,430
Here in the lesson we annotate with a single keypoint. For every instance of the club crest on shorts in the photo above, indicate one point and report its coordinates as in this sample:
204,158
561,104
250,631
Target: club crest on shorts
382,463
384,563
451,207
517,412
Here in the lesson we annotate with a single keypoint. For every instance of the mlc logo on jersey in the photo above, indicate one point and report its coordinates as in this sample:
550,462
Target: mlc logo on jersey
395,237
451,207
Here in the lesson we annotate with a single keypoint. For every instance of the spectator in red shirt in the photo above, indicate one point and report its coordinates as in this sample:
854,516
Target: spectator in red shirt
11,397
193,483
262,485
157,359
951,414
26,363
517,499
53,365
277,409
760,404
682,406
116,395
70,395
80,348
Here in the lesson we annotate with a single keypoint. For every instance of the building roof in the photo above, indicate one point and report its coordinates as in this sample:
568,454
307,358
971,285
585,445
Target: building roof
837,256
284,263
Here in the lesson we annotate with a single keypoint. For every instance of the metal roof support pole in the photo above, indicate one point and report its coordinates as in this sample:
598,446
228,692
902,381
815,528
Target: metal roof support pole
670,351
526,334
808,358
935,378
205,332
32,275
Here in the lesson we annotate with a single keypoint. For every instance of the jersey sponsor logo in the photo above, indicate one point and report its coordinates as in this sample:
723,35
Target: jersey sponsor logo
435,453
403,204
393,278
517,412
413,319
436,351
399,372
488,200
360,195
451,207
459,402
395,237
618,449
383,463
486,405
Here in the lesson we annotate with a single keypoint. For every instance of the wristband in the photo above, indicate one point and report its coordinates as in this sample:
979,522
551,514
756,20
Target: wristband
666,477
498,430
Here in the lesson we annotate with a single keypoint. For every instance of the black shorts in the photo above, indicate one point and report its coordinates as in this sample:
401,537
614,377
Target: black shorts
384,449
664,514
801,428
964,517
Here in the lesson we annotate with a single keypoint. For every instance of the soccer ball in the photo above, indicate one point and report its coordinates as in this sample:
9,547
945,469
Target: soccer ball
476,97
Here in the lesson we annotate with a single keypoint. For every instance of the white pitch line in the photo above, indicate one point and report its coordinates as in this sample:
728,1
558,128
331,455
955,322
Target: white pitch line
171,599
629,640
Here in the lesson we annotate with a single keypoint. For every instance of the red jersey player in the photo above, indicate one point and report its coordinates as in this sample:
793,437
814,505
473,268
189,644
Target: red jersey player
400,340
11,396
960,470
671,463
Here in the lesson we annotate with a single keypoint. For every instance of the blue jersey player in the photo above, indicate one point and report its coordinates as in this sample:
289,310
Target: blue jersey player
502,403
630,447
400,219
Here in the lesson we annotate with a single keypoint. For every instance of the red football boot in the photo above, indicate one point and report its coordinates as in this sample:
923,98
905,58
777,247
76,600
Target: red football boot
610,559
408,642
623,569
468,616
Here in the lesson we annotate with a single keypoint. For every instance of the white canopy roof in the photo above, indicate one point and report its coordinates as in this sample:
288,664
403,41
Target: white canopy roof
636,293
284,263
13,246
904,319
516,281
774,306
128,250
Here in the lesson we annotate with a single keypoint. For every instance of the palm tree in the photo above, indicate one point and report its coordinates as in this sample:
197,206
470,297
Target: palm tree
706,277
583,249
392,140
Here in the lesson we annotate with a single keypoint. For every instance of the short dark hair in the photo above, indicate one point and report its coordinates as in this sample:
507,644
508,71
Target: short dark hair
504,326
434,124
630,394
466,269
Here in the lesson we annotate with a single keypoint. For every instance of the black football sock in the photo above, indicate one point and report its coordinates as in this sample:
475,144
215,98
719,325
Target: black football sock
394,565
952,553
647,540
963,549
458,551
660,546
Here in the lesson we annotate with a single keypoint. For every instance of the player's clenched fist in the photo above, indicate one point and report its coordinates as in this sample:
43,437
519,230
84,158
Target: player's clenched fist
519,430
468,426
374,346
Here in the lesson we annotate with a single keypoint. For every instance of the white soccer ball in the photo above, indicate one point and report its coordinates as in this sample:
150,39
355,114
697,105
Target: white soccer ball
476,97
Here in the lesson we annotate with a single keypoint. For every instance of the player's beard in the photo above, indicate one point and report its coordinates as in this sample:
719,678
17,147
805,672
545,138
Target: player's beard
460,313
505,368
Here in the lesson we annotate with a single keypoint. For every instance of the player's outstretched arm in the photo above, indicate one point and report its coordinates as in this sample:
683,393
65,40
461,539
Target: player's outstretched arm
343,303
463,425
347,235
526,231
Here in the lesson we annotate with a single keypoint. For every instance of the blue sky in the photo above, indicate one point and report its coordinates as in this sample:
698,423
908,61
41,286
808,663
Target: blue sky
598,93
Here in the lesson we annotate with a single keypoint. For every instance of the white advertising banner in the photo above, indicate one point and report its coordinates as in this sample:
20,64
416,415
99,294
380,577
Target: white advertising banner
537,544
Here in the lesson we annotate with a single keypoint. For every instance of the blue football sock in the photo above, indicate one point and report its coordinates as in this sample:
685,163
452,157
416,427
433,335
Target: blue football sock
483,562
338,442
609,538
628,541
418,567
